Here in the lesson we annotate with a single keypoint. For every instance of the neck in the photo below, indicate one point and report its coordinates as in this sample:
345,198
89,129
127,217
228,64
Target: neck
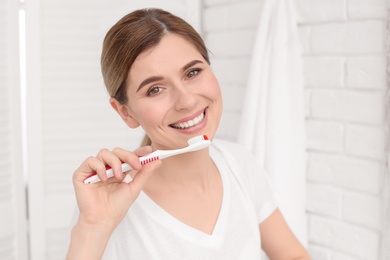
192,168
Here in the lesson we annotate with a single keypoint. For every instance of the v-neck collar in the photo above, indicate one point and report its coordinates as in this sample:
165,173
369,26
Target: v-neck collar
184,230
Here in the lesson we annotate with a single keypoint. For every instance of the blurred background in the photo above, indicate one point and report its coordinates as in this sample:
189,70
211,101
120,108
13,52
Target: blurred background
54,112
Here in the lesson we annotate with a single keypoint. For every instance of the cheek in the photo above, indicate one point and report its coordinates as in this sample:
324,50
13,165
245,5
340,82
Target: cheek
217,99
149,116
214,90
143,112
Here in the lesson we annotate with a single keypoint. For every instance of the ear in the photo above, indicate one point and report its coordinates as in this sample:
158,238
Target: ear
124,112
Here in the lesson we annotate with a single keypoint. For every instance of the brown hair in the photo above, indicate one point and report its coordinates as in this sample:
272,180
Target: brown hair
133,34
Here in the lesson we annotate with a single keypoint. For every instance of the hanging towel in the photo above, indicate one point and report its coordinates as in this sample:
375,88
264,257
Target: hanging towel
273,123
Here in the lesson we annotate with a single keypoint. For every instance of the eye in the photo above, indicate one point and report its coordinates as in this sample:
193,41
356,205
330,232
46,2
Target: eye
193,73
154,90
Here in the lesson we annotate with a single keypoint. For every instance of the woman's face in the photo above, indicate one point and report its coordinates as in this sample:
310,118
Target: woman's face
173,93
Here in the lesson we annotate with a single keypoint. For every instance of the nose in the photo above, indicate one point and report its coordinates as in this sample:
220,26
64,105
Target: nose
184,98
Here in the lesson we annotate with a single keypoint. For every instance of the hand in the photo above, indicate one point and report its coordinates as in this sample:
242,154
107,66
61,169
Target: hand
106,203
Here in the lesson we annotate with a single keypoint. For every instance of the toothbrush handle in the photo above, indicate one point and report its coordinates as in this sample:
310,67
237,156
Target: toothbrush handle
93,178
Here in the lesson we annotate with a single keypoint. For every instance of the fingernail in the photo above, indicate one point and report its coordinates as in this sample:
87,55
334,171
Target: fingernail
137,164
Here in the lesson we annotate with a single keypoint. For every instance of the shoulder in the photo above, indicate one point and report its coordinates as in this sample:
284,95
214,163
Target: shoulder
243,164
249,173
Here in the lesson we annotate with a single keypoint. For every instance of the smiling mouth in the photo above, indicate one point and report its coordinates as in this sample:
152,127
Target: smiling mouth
190,123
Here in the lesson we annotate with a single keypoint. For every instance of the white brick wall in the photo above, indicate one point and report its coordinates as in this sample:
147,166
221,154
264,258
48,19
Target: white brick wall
366,72
344,61
347,106
345,81
352,37
344,172
349,239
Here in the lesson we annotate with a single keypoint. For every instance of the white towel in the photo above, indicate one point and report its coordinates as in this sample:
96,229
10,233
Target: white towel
273,114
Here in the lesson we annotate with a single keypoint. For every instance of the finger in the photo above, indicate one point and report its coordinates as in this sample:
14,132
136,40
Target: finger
132,158
113,161
129,157
90,165
142,151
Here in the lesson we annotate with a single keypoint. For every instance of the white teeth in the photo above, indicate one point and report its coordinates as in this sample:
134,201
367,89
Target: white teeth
189,123
196,120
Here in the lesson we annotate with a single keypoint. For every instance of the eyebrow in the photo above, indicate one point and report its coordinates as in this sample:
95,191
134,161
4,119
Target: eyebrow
190,64
149,80
156,78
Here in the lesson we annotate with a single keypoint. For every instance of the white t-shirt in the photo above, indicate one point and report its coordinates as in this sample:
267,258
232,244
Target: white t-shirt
149,232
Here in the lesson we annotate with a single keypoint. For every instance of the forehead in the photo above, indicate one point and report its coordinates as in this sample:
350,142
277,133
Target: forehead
170,50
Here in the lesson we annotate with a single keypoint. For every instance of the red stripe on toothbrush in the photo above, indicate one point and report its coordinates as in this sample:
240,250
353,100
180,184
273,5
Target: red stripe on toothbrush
149,160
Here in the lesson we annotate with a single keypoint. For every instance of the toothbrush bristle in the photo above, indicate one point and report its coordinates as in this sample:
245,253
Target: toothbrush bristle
196,139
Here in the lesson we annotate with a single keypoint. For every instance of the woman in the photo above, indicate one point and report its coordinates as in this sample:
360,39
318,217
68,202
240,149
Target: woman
214,203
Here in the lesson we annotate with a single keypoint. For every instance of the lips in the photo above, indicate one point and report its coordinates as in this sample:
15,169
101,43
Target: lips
190,123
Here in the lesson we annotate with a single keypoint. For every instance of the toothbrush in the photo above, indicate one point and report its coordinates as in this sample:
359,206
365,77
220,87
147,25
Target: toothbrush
194,144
